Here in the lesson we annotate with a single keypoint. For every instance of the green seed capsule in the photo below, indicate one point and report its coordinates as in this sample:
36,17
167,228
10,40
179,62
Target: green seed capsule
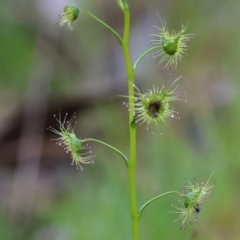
71,12
189,199
170,45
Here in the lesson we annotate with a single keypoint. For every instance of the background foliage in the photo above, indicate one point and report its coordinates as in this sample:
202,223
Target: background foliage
44,68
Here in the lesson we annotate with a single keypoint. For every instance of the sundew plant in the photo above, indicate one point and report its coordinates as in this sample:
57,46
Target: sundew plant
151,108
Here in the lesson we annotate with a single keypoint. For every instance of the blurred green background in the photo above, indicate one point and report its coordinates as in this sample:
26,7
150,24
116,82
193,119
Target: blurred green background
44,68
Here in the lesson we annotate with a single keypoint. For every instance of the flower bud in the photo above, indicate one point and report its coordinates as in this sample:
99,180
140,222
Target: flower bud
71,144
69,14
193,198
172,46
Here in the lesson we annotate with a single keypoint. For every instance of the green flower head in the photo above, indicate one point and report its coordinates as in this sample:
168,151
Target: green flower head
69,14
172,46
193,197
80,153
153,106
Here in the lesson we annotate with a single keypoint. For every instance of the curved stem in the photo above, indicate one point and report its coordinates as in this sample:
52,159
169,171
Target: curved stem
125,4
109,146
155,198
132,127
120,4
105,25
142,55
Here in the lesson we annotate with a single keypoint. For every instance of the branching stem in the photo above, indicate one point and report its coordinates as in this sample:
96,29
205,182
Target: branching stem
109,146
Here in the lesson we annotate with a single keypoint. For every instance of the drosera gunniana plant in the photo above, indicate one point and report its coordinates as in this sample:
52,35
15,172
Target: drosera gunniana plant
171,45
150,107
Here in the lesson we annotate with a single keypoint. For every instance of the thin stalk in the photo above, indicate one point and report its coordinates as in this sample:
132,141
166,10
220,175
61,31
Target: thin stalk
109,146
105,25
132,127
142,55
155,198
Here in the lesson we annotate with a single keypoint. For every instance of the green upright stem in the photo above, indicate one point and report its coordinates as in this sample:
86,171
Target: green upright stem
132,127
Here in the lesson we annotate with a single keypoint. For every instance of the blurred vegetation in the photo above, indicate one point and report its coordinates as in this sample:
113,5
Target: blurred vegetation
44,68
